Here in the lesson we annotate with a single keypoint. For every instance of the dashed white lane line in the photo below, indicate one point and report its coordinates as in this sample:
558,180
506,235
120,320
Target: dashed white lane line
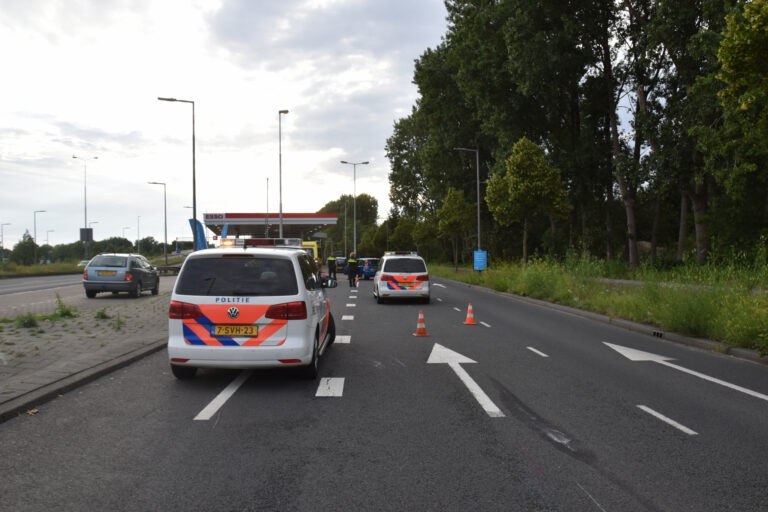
216,404
440,285
330,386
348,317
485,324
668,421
542,354
352,291
343,339
351,305
457,309
352,297
439,299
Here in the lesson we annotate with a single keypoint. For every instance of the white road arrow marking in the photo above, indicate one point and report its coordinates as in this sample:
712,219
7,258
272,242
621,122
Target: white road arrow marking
638,355
442,355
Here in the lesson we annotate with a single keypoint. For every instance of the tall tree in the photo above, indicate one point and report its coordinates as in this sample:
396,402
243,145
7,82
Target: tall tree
455,220
529,186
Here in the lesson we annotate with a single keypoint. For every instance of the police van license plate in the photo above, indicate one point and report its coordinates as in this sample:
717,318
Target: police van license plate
235,330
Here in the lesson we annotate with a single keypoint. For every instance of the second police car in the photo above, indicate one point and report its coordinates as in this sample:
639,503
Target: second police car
401,275
259,304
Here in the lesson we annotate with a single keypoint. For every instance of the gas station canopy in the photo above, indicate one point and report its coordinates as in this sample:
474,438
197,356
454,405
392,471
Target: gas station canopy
262,225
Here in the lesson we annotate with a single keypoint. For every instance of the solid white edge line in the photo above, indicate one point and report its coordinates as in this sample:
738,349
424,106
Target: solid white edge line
440,285
485,324
215,404
330,387
343,339
542,354
668,421
347,317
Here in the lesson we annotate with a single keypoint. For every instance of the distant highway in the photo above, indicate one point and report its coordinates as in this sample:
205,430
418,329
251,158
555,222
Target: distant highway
30,284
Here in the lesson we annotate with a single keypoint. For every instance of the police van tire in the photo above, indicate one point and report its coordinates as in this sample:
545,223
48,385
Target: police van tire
183,372
90,293
310,371
331,330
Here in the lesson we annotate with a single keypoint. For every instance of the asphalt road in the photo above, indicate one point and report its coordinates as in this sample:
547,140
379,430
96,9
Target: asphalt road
554,423
28,284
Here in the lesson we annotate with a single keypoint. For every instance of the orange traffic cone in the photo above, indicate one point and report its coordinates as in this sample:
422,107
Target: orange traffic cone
357,280
421,329
470,316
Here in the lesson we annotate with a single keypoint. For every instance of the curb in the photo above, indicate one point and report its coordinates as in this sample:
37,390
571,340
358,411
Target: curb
700,343
48,392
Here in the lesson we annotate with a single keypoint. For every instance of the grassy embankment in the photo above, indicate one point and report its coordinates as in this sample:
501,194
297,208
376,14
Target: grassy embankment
727,303
14,270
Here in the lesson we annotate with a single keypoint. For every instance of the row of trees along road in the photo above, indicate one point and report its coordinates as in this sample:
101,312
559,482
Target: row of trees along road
23,252
600,124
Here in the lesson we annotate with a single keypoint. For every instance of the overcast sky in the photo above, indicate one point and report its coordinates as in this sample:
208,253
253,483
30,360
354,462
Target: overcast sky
82,78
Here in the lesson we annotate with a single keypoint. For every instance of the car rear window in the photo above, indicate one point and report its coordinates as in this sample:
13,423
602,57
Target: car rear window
109,261
404,265
237,276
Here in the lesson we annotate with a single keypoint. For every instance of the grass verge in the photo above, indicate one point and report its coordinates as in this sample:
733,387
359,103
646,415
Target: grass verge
721,307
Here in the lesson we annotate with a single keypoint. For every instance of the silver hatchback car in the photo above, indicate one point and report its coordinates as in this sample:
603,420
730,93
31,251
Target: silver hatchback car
117,273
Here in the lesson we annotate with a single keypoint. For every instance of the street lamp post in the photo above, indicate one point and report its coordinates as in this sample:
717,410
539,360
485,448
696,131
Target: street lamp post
85,197
194,187
47,231
165,219
354,202
266,217
2,244
138,230
477,163
280,154
34,215
345,229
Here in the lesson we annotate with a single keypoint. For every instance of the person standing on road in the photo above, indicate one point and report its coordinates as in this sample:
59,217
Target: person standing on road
332,267
352,269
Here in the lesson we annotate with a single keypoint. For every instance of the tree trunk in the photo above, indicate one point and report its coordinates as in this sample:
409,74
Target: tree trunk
655,229
525,240
683,231
609,222
699,200
455,245
627,193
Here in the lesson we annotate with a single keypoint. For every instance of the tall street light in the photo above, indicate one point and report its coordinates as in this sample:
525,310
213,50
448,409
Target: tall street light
34,215
354,202
46,235
194,187
85,197
2,245
280,153
165,219
124,228
138,230
477,163
266,217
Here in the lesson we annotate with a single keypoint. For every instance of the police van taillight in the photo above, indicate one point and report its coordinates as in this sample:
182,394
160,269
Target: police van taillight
424,277
288,311
184,311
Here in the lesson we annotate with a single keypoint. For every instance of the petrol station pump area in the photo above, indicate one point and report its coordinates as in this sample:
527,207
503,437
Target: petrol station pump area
306,226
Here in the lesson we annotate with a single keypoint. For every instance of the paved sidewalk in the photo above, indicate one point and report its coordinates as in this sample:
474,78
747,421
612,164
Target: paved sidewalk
39,363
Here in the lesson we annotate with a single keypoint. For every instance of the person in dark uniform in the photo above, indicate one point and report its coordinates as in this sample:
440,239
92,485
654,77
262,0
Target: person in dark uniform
352,269
332,267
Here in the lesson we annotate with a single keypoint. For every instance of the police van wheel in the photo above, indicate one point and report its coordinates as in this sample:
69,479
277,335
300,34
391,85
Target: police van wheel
310,371
183,372
331,330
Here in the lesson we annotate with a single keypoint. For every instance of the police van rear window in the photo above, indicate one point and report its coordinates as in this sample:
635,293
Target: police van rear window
237,277
404,265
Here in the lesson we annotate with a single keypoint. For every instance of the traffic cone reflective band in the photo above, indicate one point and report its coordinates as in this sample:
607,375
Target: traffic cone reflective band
470,316
357,280
421,329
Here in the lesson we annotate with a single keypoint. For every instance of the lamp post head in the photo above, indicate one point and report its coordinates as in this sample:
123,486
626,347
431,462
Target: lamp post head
282,111
166,99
